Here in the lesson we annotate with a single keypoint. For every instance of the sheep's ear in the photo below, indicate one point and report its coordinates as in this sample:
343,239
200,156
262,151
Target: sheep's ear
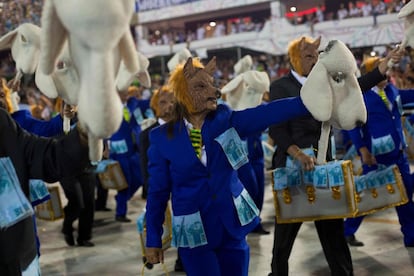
316,93
7,40
45,84
53,36
128,52
232,85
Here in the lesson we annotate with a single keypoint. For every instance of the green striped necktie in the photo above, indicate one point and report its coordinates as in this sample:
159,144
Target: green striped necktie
195,137
383,96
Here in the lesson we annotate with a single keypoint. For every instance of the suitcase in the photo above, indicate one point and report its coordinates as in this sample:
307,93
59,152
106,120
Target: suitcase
328,192
111,176
379,190
51,209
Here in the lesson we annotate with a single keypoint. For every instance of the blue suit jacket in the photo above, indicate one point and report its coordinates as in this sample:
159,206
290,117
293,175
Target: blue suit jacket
382,121
175,169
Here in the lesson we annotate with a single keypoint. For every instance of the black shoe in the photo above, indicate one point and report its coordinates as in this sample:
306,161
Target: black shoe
260,230
104,209
178,267
85,243
352,241
68,237
122,219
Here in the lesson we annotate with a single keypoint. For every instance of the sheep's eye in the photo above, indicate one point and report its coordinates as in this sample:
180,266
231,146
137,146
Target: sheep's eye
338,76
61,65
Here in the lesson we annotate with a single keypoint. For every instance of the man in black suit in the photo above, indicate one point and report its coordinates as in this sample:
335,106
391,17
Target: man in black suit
294,135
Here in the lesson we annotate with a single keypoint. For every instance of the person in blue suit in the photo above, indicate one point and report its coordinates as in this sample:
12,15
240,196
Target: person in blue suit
381,142
123,147
212,211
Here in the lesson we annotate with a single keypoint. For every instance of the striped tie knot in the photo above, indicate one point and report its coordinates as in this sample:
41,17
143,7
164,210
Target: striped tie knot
195,137
383,96
127,115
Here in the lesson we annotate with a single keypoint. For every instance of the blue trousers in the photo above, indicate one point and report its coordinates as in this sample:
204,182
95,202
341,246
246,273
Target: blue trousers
227,256
131,168
405,212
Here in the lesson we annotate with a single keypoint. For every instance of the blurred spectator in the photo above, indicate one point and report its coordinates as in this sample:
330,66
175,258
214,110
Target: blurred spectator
342,12
366,8
353,10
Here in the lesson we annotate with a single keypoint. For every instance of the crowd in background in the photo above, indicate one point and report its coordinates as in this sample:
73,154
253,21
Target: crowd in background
233,25
14,13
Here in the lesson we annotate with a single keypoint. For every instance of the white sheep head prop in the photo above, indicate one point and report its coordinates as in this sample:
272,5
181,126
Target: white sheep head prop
124,77
407,13
178,58
246,90
98,38
243,65
24,42
332,94
63,82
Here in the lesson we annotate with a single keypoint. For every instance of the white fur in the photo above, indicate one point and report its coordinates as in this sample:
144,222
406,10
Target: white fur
243,65
407,13
98,36
338,103
177,58
124,77
24,42
63,82
246,90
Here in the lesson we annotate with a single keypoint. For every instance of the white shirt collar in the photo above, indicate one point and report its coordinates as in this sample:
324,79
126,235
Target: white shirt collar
299,78
161,121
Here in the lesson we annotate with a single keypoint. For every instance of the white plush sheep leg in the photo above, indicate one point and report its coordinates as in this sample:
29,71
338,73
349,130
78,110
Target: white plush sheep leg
323,143
95,149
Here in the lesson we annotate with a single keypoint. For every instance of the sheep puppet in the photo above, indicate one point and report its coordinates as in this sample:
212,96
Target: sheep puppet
24,43
98,39
246,91
407,14
333,82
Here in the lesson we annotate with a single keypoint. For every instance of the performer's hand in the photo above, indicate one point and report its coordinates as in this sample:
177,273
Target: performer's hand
308,162
69,111
393,57
154,255
367,157
13,85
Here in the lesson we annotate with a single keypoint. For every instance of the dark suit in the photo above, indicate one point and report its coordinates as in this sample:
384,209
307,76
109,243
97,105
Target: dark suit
34,158
305,132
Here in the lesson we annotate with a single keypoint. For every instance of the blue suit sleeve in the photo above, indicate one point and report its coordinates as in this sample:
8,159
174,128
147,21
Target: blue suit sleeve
358,138
158,194
257,119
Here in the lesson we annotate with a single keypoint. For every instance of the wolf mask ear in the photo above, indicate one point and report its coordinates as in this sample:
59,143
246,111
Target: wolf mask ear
316,94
